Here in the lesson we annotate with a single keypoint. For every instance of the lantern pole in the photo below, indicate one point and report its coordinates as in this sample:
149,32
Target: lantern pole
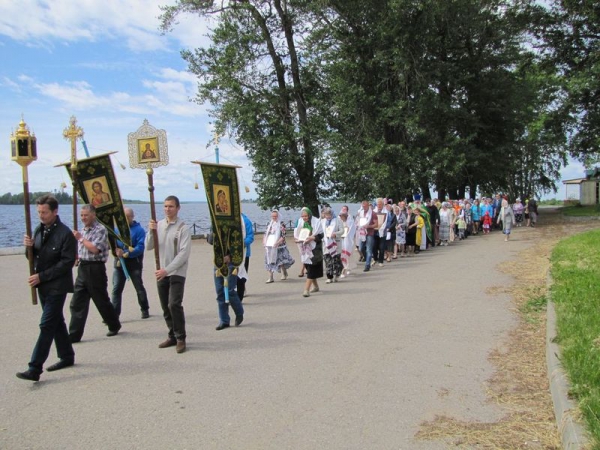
24,152
72,133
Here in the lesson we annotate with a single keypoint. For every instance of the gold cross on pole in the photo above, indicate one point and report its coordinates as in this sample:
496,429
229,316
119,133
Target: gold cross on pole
72,133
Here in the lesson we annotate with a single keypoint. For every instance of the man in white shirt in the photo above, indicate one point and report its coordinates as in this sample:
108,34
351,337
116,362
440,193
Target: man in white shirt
175,245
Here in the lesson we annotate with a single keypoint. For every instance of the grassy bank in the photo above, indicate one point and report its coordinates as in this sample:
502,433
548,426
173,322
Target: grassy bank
576,293
592,210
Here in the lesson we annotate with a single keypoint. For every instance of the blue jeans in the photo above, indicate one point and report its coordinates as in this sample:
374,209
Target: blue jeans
234,300
366,247
52,328
119,279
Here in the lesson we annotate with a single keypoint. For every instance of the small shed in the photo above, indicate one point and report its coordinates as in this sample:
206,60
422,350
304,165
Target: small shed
585,190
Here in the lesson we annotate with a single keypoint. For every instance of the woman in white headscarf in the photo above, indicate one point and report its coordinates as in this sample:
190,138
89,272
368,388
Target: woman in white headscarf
507,216
277,255
333,230
348,240
309,235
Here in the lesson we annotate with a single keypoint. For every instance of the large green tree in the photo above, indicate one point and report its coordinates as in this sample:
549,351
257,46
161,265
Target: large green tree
569,32
254,77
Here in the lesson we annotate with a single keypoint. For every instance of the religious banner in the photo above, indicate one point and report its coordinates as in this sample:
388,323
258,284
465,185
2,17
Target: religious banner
148,149
223,198
97,186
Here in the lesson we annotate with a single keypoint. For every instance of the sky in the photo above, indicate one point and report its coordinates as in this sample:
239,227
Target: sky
107,63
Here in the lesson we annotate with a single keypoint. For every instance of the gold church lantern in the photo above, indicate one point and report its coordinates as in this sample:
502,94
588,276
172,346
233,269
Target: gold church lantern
23,146
23,150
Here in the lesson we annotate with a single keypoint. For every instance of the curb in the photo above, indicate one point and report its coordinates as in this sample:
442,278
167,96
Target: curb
572,434
6,251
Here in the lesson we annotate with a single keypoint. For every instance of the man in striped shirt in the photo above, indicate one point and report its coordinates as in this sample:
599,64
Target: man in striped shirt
91,277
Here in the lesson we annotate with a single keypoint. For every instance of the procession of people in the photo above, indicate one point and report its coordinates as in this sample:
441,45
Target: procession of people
379,232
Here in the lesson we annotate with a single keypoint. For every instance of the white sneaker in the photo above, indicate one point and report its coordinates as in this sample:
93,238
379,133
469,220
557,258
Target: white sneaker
342,276
270,280
329,280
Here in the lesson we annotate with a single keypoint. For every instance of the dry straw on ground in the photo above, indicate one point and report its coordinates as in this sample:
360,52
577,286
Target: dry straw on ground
520,384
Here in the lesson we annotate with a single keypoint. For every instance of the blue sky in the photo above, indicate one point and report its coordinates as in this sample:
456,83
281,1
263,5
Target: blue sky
106,63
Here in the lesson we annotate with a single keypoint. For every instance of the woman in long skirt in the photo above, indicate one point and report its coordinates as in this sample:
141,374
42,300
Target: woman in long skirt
445,220
507,216
277,255
309,235
333,230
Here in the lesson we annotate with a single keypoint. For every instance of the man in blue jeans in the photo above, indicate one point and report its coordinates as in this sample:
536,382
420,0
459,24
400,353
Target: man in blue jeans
134,262
234,300
367,221
54,253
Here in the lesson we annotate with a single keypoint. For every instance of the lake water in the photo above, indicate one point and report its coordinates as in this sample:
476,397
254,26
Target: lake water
12,224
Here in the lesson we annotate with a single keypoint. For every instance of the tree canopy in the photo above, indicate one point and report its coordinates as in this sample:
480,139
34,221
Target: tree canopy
360,98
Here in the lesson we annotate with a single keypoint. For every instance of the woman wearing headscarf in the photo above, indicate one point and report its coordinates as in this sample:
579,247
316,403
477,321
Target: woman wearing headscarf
518,210
445,221
400,213
348,240
411,231
507,216
277,255
420,229
332,230
309,235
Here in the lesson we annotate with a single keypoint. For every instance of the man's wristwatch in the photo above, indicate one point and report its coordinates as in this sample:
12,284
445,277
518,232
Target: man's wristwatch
81,239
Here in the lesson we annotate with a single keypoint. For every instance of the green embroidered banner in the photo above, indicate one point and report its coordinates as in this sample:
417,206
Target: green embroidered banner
223,197
97,186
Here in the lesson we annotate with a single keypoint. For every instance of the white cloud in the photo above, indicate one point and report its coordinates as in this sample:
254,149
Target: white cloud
7,82
170,94
135,22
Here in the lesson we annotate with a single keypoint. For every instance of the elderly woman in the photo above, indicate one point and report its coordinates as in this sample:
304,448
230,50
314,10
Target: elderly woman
309,236
518,210
445,221
400,213
507,216
333,229
411,231
277,255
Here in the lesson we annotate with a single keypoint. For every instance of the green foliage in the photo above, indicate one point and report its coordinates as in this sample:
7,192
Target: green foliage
576,274
570,31
364,98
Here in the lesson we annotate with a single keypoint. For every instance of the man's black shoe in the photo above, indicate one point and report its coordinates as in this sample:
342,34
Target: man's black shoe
60,365
145,314
28,375
74,339
238,320
366,269
113,332
222,326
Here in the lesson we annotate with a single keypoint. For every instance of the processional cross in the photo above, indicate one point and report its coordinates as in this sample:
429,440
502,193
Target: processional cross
72,133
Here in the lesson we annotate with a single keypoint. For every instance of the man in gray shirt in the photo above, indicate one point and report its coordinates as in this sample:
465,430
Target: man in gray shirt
174,245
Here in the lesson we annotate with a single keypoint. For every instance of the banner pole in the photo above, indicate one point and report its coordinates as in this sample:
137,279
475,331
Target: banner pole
150,173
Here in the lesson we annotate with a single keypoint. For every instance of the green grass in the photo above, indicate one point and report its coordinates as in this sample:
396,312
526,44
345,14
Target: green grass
576,293
551,202
533,307
579,210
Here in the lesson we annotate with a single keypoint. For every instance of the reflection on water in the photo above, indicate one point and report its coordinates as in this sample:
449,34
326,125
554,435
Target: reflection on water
12,225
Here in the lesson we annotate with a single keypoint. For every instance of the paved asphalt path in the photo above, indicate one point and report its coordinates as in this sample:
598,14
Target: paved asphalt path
359,365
